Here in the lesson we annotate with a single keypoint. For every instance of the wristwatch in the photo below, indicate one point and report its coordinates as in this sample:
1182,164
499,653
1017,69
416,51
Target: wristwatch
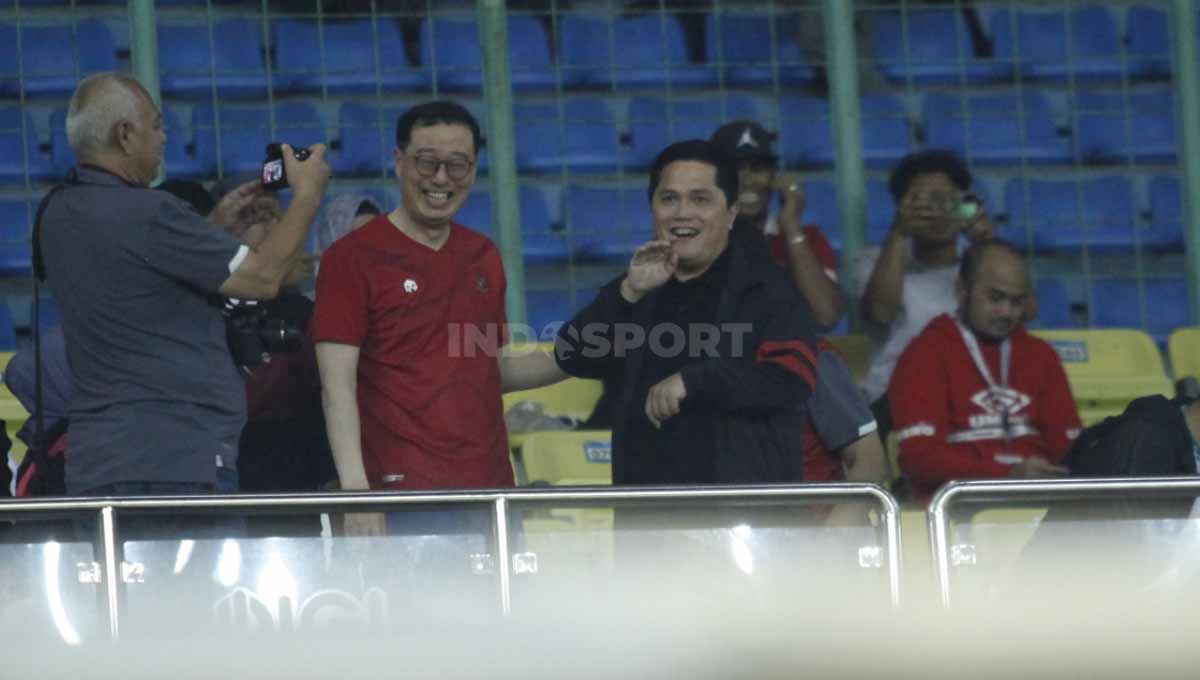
797,239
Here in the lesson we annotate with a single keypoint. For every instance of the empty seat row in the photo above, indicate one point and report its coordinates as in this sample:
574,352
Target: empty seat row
1099,214
1157,305
592,50
583,134
363,55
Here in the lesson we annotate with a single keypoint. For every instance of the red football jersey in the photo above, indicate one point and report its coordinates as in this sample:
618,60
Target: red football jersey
428,324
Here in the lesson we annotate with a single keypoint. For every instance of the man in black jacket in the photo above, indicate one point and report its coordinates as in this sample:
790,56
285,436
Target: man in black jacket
709,356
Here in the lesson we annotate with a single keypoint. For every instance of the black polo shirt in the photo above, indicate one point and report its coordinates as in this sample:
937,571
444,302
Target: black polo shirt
156,397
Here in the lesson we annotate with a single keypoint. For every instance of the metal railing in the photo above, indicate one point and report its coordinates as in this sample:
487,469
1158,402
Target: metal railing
959,493
109,512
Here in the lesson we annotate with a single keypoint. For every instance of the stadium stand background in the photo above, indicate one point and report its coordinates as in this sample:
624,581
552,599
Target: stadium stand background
1069,125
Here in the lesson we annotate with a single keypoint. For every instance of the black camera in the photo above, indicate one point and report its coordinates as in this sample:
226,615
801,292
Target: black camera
274,175
255,331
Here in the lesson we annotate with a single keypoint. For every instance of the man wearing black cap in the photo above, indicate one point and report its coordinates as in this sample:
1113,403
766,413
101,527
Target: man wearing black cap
803,250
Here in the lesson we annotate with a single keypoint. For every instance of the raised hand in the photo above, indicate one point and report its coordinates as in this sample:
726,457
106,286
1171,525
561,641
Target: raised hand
652,265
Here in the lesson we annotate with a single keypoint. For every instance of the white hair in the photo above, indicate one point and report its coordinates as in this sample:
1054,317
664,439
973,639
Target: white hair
100,102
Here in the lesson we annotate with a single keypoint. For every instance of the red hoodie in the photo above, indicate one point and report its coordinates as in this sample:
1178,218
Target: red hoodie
950,427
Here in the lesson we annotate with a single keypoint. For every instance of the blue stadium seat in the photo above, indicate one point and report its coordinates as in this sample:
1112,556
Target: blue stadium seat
177,157
988,130
246,130
48,56
548,309
61,154
1148,49
806,137
350,57
743,43
1102,133
367,139
476,213
607,222
452,45
1099,214
1116,303
1166,213
1043,38
8,329
821,209
881,210
17,146
654,123
586,140
1054,305
629,52
16,220
188,67
938,49
541,240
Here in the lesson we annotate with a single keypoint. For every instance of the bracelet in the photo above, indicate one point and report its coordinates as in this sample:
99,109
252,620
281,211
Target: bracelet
797,239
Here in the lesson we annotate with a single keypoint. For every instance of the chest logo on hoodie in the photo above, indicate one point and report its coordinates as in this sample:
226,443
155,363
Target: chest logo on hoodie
1000,400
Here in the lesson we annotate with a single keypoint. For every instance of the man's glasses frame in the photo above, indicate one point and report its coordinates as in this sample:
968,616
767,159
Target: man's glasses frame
456,169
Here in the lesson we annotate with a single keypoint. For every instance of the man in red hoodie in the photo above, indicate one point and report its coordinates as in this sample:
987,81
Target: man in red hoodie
974,394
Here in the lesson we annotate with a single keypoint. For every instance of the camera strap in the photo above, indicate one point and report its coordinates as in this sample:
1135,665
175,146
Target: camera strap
38,450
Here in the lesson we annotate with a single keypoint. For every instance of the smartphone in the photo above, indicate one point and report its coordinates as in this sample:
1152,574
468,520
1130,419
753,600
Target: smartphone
274,176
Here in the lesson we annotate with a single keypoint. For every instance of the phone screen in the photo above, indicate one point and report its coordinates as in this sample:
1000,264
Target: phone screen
272,171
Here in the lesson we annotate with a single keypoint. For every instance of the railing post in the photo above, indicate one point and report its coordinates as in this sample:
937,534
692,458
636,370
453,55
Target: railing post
503,555
143,50
1187,112
502,154
842,74
111,570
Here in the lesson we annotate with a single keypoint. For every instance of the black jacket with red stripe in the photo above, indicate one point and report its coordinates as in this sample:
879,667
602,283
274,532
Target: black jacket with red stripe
755,388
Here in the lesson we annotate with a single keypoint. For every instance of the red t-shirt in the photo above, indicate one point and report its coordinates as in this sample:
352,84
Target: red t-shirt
428,325
815,240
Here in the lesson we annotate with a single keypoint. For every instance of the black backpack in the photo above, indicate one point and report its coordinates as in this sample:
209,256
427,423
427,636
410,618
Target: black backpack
1150,438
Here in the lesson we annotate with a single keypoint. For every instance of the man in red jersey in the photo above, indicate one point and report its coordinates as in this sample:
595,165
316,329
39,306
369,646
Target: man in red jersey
409,325
974,395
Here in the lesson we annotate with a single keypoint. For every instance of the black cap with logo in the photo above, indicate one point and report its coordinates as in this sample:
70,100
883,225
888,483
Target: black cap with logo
744,140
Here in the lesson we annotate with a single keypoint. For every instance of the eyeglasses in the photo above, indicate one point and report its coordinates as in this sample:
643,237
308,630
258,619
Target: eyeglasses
427,166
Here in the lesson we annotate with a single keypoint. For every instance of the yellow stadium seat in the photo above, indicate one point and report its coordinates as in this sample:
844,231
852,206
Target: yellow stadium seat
856,350
12,413
573,397
1183,348
1108,368
891,448
574,458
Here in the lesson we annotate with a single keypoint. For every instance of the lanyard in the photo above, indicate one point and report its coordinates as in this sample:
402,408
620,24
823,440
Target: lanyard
977,356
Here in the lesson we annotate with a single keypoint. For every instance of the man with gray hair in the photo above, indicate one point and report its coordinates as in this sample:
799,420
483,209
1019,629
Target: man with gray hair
157,406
